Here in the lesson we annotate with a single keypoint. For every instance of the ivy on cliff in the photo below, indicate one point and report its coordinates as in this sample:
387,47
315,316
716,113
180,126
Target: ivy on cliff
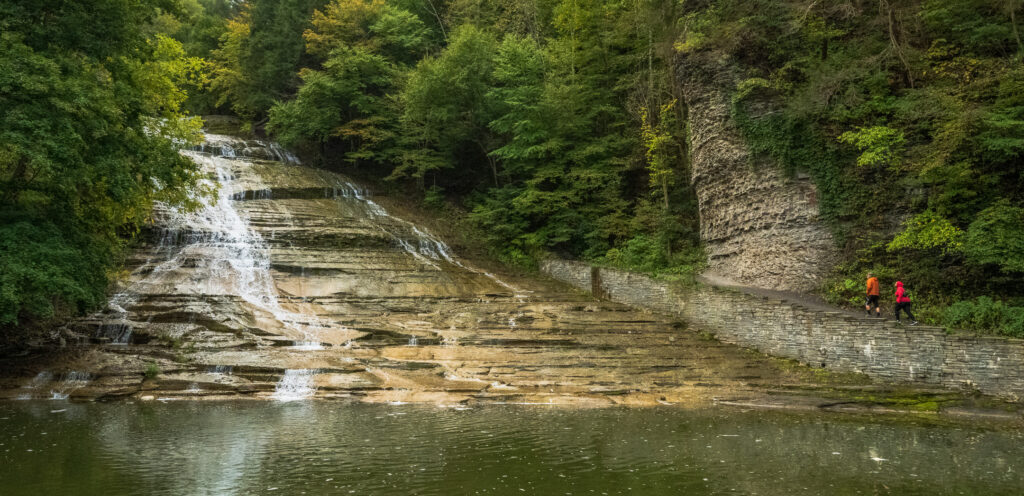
908,116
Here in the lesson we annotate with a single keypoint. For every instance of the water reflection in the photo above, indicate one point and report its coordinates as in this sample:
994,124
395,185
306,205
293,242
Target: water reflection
332,448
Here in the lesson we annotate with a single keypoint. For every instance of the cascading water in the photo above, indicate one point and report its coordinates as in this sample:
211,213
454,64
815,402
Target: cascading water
69,383
287,282
232,147
210,270
37,382
422,245
217,242
295,385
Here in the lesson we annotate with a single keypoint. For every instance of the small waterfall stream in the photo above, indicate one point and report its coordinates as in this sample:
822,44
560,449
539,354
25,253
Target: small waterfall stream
295,385
422,245
69,383
31,389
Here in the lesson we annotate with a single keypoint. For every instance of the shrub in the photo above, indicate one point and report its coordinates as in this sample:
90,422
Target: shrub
987,315
434,198
152,370
641,252
928,230
997,237
46,271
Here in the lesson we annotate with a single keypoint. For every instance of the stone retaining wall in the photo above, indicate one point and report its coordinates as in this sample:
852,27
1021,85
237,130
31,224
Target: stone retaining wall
834,340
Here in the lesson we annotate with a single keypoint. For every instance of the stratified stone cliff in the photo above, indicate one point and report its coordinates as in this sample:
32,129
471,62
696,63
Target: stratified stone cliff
760,227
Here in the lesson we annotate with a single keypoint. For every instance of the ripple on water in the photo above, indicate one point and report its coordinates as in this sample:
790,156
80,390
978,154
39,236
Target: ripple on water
328,448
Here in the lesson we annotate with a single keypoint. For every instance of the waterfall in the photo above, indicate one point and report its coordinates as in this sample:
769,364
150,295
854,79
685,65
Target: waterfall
216,241
295,385
423,245
307,345
41,379
69,383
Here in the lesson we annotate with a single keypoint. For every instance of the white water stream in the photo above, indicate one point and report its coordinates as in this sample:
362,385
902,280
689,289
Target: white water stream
223,253
69,383
422,245
213,250
295,385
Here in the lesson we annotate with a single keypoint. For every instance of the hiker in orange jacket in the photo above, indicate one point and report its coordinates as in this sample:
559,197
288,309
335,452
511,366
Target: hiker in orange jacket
903,303
872,299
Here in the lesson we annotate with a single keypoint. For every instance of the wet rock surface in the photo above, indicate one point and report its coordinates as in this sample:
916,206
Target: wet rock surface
291,283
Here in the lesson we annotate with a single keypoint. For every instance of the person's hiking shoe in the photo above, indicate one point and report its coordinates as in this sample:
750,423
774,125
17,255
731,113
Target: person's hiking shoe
913,323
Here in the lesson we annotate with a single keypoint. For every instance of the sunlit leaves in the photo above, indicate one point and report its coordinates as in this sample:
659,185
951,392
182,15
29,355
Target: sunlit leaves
928,230
89,140
880,146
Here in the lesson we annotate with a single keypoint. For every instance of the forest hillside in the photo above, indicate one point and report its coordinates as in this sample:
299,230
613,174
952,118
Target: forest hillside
549,127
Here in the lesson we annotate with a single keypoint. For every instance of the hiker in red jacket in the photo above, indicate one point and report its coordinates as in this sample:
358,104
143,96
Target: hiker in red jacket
903,303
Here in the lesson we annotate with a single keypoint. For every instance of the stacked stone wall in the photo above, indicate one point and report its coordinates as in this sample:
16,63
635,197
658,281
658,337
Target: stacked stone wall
835,340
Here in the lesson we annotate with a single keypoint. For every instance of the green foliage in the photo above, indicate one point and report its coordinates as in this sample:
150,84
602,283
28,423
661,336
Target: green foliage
879,145
433,198
661,150
647,254
639,253
445,111
985,314
345,100
44,273
89,140
797,145
260,53
152,370
996,237
199,29
928,230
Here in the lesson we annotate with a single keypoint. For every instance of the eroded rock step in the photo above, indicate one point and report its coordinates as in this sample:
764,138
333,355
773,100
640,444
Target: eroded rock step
291,283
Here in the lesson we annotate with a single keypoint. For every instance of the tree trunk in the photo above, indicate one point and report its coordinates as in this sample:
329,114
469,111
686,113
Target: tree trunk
491,162
664,196
890,15
1016,33
440,23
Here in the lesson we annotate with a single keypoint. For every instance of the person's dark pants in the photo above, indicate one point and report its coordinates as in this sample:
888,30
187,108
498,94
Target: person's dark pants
872,303
906,309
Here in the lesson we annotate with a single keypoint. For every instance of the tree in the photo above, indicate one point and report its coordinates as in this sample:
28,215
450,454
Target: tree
365,47
89,140
445,106
260,55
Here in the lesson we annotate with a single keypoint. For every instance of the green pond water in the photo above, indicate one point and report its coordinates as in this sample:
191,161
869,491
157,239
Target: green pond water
193,448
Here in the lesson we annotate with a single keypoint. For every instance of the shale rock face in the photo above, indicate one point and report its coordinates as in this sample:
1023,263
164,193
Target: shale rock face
760,227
